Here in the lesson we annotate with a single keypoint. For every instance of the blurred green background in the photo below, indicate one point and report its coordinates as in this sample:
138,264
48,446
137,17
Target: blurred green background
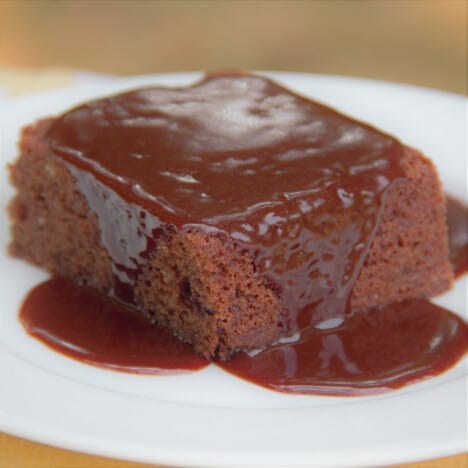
422,42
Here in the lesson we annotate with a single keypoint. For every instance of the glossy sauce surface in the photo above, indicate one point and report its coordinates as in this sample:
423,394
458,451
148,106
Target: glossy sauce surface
368,353
372,352
87,325
298,185
457,219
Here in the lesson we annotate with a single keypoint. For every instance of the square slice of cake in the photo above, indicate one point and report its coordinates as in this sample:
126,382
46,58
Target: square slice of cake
234,212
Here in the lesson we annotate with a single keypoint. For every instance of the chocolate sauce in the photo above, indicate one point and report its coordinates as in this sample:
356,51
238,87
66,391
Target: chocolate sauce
87,325
368,353
383,349
457,220
298,185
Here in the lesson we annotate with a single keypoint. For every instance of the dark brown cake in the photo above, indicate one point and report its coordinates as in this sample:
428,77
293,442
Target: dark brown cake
233,212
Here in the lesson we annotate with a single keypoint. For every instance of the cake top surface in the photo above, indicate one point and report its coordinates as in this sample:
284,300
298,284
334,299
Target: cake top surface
223,146
298,185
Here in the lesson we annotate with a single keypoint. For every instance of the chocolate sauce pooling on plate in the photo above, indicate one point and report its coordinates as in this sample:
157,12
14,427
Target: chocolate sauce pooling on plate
369,353
87,325
297,184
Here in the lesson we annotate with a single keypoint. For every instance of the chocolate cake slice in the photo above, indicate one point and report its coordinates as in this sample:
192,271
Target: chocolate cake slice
234,212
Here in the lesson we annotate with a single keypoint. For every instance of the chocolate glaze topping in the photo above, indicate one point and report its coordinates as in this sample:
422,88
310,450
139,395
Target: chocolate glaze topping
298,185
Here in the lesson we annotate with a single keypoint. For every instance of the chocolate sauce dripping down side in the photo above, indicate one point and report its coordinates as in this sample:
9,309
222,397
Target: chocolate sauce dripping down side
457,220
372,352
369,353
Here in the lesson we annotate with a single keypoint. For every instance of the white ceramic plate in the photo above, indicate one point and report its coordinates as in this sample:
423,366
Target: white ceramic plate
211,418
